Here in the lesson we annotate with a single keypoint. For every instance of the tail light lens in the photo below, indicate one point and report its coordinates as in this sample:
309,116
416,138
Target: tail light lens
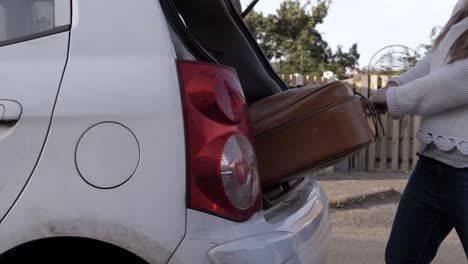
239,172
222,168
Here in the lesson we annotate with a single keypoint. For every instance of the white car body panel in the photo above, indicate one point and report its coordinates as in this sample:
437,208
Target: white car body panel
296,231
30,74
119,70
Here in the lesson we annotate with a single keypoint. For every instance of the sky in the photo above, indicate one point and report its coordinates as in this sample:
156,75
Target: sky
374,24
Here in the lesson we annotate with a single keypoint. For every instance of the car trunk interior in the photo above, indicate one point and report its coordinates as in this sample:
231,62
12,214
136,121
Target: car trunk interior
215,32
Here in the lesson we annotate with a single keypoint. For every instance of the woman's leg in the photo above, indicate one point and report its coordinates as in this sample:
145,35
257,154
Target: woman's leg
420,225
457,202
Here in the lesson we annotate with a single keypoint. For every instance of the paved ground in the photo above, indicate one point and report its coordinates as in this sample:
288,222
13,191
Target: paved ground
364,206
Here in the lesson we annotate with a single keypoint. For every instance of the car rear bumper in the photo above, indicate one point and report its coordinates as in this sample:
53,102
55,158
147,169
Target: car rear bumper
297,231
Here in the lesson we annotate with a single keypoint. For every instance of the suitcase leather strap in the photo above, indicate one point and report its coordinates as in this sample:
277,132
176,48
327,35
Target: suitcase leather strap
373,115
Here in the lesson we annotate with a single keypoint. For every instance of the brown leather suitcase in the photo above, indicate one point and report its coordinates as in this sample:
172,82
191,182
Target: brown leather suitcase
309,128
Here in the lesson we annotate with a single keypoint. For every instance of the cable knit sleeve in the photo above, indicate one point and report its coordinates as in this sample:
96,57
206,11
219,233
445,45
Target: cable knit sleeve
421,69
442,89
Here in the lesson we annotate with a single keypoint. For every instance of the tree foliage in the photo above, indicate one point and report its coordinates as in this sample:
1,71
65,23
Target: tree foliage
291,39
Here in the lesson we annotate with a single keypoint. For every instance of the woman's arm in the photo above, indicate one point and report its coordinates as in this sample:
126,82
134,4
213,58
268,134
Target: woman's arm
443,89
421,69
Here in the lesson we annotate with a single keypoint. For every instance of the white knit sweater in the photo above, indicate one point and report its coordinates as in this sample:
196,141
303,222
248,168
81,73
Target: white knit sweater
438,92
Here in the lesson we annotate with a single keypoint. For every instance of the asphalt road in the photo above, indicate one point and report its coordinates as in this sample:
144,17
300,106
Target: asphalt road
362,230
363,251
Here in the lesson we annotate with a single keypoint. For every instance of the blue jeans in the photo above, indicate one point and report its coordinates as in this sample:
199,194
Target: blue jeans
434,202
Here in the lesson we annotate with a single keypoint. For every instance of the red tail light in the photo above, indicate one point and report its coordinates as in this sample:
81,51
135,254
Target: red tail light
222,168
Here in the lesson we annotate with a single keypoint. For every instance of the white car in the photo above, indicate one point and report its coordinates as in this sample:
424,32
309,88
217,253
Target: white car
124,139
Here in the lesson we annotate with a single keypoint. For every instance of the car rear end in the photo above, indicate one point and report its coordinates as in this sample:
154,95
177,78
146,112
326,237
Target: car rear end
295,230
230,218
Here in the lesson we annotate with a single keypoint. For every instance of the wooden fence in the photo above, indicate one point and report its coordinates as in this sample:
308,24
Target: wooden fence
294,80
396,151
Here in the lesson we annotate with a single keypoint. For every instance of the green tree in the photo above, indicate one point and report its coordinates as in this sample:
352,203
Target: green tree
259,26
342,61
290,38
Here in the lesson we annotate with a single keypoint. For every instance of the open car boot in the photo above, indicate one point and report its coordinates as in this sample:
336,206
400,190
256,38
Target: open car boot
297,130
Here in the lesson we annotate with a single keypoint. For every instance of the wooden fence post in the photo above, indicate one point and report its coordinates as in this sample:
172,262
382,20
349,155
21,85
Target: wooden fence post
383,144
374,83
298,80
363,89
405,145
307,80
383,138
360,159
395,144
286,80
365,85
417,124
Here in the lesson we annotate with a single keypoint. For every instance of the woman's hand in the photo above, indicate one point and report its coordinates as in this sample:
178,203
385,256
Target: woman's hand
379,99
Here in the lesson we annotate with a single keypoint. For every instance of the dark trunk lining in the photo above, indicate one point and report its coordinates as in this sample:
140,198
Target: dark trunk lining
216,26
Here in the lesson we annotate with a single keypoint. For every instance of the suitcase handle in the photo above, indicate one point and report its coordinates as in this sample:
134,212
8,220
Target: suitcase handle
373,114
